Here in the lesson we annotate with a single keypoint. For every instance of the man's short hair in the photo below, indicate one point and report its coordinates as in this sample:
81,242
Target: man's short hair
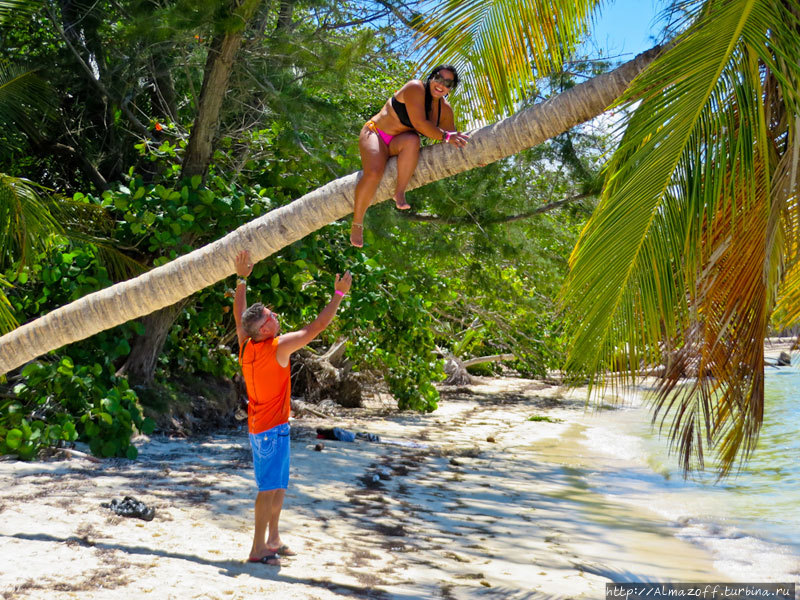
253,319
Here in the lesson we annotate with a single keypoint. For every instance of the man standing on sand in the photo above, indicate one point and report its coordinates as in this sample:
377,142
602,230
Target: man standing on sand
264,358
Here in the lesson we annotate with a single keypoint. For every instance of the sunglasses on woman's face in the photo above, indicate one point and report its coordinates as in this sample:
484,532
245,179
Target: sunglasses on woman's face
448,83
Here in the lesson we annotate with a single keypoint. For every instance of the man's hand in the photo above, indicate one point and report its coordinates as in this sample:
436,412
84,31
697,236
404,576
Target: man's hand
244,264
343,284
294,340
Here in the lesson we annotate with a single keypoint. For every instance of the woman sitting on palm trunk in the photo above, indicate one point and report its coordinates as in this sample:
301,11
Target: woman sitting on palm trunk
417,108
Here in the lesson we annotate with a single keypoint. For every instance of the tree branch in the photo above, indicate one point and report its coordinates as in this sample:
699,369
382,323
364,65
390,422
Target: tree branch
97,83
412,24
484,359
370,19
81,158
429,218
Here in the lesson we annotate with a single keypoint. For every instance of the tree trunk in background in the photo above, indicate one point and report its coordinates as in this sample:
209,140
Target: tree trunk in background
285,16
141,362
269,233
219,65
140,366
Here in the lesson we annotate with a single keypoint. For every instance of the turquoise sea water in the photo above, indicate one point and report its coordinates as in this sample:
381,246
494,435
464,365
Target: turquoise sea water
749,522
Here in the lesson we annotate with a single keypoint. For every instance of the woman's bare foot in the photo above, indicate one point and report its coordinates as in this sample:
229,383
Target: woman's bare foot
357,235
400,201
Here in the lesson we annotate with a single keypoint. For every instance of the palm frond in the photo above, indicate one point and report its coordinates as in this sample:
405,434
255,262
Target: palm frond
787,183
684,254
25,98
788,309
7,320
11,7
26,222
86,223
32,219
501,46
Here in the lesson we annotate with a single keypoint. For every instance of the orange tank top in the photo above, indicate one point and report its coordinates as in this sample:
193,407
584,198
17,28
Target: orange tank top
269,386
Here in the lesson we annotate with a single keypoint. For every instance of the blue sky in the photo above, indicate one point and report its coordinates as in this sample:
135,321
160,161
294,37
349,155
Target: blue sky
625,26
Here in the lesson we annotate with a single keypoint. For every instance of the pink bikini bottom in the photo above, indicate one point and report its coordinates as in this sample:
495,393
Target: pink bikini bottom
382,134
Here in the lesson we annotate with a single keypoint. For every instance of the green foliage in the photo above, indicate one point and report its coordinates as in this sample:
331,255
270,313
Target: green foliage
403,347
23,95
502,47
16,7
544,419
298,97
77,396
59,402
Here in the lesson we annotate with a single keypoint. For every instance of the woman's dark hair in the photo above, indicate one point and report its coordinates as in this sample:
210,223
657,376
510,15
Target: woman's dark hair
428,96
450,68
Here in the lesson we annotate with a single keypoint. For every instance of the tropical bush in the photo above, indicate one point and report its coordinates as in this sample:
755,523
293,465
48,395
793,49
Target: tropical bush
59,403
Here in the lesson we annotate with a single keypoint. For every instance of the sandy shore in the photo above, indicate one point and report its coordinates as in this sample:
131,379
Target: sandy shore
488,504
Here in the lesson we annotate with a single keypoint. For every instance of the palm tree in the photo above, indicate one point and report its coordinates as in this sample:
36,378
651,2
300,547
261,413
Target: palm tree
168,284
694,245
698,227
25,222
26,226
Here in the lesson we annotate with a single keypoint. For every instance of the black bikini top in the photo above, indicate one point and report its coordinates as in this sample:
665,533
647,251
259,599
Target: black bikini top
402,113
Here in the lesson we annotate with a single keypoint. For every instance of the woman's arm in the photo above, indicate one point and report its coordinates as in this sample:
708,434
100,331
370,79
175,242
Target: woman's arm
414,96
447,118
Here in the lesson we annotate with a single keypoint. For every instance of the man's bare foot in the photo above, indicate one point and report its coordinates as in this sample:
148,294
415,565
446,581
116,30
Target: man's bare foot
283,550
400,201
357,235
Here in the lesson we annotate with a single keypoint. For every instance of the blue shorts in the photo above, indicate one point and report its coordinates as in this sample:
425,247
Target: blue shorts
271,458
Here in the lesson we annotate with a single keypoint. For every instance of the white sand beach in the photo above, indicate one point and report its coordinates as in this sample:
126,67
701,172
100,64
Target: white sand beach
490,504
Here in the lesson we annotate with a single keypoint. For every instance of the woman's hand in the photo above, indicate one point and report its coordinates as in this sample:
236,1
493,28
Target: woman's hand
456,138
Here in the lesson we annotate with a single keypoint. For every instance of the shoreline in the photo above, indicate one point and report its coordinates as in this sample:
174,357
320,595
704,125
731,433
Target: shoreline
489,503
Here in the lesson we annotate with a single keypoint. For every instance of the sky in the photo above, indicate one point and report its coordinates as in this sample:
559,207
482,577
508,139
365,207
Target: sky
626,26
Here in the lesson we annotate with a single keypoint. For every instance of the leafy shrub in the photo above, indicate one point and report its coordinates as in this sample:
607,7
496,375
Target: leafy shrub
58,402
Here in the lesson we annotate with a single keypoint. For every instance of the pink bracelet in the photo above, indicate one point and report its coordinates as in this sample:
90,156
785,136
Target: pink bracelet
446,137
340,292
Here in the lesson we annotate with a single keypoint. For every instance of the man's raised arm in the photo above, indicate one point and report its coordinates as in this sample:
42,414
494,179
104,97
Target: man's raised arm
291,342
244,266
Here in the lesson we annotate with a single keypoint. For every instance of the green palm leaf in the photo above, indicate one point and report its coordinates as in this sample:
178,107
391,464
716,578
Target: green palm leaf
683,255
32,219
11,7
7,320
501,46
24,98
26,222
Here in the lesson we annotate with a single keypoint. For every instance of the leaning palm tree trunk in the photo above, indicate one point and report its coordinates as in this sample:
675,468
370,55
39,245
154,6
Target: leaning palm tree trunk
182,277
